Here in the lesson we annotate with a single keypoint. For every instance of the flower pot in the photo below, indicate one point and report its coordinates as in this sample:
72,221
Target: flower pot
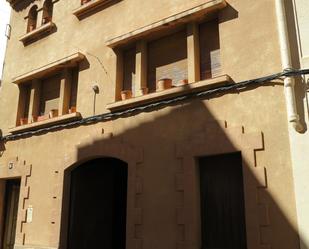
46,20
53,113
164,84
72,109
184,82
31,27
23,121
126,94
34,119
43,117
144,91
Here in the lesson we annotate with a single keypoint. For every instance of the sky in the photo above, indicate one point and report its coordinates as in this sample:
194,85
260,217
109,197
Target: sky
4,20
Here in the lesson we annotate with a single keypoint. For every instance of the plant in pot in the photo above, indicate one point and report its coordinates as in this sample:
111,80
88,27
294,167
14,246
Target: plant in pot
126,94
53,113
144,91
164,84
23,121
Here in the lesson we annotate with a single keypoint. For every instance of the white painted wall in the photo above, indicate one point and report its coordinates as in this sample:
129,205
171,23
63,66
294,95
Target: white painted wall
300,142
4,20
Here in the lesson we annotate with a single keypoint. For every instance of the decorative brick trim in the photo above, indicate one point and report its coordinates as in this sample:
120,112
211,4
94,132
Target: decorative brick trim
55,212
24,171
25,188
219,137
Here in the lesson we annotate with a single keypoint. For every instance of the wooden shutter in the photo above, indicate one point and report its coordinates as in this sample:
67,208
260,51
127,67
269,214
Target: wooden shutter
74,87
222,202
210,50
167,58
129,69
27,89
50,94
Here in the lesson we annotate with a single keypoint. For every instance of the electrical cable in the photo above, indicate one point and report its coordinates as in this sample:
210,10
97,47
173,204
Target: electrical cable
161,103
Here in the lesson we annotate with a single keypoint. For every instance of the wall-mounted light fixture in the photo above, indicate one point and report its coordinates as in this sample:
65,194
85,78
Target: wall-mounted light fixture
96,90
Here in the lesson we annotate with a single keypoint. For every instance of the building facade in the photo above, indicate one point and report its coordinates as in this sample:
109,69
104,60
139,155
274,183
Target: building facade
125,125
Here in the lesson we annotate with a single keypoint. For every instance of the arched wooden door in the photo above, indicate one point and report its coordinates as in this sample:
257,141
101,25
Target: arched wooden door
98,201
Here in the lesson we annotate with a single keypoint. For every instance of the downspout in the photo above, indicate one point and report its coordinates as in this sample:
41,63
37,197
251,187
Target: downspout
289,82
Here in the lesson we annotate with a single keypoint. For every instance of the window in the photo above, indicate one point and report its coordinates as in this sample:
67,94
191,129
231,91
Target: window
167,58
48,97
47,11
174,58
32,19
129,70
50,94
222,202
210,61
37,29
23,105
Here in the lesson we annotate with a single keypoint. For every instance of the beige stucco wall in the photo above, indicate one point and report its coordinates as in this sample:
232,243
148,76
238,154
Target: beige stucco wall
249,49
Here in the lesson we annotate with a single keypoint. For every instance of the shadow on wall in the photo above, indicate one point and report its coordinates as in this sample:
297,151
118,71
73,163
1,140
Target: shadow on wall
228,13
163,191
21,5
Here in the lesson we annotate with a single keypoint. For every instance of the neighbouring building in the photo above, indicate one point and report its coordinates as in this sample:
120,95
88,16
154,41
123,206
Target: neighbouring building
133,124
299,142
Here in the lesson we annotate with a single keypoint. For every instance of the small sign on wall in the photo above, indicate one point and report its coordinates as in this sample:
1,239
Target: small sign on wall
29,214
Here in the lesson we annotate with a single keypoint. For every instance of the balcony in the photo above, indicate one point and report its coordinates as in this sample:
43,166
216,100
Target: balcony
169,93
91,6
37,33
45,123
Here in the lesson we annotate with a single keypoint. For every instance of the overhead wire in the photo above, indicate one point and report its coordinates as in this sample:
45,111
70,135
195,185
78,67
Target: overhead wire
159,103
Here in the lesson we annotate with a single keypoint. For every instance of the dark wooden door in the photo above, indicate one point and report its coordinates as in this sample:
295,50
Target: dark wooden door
222,202
11,209
98,205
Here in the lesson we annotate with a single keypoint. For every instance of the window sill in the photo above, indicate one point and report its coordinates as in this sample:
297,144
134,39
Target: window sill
91,6
37,33
170,22
165,94
46,123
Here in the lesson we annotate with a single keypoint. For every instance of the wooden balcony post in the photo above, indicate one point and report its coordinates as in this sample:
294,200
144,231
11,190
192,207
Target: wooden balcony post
193,52
34,102
119,74
141,67
65,91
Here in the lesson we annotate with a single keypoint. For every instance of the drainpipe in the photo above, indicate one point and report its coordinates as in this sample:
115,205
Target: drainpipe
289,82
